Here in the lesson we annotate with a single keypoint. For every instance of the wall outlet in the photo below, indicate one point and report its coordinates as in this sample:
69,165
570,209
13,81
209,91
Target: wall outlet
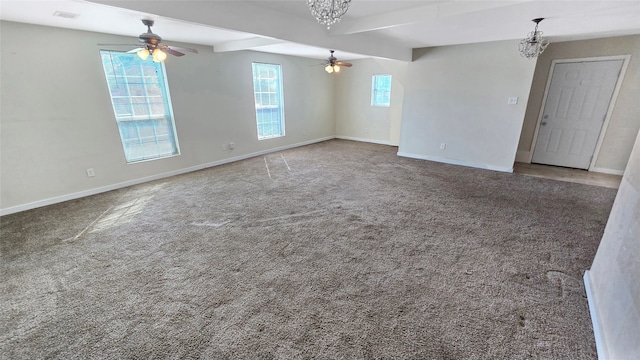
225,147
366,130
232,145
90,172
443,146
512,100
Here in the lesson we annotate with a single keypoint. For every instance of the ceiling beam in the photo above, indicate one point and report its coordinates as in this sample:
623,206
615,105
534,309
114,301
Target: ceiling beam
418,15
265,22
246,44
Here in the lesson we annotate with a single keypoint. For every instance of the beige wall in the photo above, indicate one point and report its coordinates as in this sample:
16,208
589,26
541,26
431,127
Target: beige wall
355,117
615,273
457,95
625,119
56,118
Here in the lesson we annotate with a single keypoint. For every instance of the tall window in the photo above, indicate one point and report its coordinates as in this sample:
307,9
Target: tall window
381,90
141,103
267,89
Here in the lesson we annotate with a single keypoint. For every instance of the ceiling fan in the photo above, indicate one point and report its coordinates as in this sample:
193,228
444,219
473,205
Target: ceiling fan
152,46
333,65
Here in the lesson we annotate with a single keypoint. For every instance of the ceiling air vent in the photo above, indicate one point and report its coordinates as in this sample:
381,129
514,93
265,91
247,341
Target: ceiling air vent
66,15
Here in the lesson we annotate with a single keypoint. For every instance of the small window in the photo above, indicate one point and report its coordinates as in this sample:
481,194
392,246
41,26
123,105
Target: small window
142,107
381,90
267,89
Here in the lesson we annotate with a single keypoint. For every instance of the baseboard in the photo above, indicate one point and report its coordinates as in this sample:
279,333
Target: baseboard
456,162
80,194
600,344
381,142
523,156
607,171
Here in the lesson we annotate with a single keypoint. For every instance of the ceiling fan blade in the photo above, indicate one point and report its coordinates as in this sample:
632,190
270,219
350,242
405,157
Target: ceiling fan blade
133,51
182,49
169,50
345,64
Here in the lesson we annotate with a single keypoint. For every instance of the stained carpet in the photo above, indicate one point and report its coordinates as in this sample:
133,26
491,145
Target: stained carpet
334,250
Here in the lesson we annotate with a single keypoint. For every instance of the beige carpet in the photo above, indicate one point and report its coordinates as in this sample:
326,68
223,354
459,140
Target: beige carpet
334,250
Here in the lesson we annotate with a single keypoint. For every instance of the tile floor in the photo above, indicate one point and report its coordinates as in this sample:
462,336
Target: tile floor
567,174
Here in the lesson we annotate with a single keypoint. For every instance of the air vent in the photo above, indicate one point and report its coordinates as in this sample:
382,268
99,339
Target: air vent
66,15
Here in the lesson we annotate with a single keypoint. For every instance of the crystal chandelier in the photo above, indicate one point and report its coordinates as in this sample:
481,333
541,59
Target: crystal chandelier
534,44
328,12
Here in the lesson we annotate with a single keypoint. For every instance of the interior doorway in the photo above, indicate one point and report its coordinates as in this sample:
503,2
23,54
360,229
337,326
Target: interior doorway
575,108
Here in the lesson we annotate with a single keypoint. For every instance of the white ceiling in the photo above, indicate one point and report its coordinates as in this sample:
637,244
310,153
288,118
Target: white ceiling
371,28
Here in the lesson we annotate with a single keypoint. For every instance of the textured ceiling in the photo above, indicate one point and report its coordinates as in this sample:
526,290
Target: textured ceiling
371,28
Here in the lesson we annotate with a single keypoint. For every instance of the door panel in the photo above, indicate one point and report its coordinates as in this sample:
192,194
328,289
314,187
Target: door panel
577,102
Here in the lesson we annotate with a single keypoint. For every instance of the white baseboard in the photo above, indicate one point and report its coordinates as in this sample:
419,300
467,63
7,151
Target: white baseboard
456,162
600,344
523,156
80,194
607,171
381,142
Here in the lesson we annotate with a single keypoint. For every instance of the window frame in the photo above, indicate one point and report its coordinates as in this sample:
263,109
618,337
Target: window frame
376,89
164,121
260,107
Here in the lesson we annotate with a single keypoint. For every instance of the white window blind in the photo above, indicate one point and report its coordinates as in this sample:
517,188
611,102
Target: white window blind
142,106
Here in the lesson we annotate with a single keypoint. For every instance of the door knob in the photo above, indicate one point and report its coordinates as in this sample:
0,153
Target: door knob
544,123
546,116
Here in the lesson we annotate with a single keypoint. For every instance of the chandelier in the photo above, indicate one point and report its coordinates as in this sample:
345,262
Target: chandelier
534,44
328,12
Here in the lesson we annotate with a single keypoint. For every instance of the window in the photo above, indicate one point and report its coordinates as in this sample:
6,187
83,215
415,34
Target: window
267,89
381,90
140,98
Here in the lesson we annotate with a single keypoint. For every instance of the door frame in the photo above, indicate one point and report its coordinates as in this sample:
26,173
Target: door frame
625,63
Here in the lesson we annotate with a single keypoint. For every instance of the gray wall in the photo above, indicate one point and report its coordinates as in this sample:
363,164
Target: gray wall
615,273
355,117
624,122
56,118
457,95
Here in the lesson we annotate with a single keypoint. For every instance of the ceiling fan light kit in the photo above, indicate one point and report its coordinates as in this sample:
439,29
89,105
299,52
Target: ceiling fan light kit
143,54
332,68
158,55
328,12
534,44
333,65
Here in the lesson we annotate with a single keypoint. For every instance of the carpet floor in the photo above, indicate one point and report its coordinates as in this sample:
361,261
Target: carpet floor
333,250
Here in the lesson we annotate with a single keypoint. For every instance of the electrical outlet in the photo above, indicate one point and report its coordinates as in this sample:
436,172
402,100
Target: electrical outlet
225,147
366,130
90,172
232,145
443,146
512,100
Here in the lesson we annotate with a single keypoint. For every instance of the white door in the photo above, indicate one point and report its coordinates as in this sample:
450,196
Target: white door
577,102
